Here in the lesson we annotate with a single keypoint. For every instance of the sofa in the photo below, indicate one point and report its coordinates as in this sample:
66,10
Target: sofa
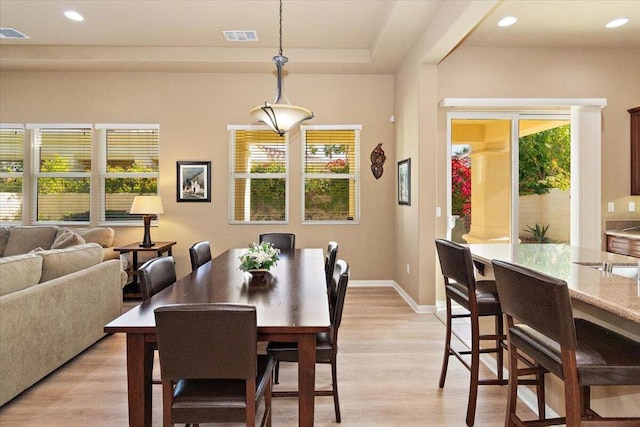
54,303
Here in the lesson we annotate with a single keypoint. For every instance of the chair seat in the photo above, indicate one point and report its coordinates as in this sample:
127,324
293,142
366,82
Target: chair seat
203,400
288,351
603,357
486,295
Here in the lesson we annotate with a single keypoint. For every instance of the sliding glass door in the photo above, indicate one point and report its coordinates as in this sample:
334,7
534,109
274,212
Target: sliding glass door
501,191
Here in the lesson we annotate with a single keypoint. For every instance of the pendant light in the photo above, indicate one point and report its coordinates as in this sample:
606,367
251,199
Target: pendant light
280,117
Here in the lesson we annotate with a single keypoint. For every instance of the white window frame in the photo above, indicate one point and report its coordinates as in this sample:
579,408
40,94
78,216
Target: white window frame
233,175
355,175
35,171
103,174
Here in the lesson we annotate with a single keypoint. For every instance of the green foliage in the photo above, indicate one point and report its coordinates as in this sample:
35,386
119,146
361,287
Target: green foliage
60,185
538,232
131,185
268,194
545,161
326,199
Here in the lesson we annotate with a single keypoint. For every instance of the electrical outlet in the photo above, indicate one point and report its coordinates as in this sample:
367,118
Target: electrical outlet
632,206
611,207
408,269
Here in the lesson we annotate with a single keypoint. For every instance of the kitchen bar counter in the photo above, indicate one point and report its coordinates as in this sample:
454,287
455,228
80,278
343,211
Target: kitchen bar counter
611,293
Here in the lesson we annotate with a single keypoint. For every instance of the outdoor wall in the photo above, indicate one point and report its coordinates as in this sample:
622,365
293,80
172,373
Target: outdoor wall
552,209
193,111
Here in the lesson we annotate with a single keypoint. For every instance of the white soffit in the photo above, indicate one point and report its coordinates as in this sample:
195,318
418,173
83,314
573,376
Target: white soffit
539,103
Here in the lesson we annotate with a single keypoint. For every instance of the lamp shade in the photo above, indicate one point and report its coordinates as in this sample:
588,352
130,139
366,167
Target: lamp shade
281,117
147,205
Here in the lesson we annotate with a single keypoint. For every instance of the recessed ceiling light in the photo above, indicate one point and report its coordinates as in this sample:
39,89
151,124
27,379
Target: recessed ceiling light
73,15
619,22
507,21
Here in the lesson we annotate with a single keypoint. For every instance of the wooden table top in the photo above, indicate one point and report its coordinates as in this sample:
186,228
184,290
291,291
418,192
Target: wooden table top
294,301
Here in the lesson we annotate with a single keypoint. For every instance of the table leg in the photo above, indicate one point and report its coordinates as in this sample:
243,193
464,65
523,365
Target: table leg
306,378
139,367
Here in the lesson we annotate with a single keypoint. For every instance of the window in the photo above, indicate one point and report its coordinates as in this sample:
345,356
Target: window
11,172
331,170
131,154
62,173
259,169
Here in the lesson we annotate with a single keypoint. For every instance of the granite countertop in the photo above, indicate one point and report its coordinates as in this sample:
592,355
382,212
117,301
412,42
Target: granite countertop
629,234
629,229
613,293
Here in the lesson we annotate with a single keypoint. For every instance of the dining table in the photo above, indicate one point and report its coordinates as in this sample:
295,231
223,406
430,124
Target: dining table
292,305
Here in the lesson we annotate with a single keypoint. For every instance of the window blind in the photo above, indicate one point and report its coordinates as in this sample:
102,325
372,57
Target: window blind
259,187
63,177
331,174
11,174
132,158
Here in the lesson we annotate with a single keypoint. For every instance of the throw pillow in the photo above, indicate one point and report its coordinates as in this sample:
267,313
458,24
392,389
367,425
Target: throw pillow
22,239
100,235
66,238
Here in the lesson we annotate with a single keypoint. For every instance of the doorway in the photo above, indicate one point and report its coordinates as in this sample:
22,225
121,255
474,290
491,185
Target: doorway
504,192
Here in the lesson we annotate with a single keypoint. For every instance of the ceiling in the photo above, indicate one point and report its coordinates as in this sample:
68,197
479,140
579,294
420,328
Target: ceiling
319,36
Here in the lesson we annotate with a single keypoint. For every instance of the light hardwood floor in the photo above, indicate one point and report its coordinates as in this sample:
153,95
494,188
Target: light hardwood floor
388,367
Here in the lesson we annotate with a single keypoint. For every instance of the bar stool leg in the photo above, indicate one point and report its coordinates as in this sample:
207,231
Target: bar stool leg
572,389
447,345
513,385
475,362
499,328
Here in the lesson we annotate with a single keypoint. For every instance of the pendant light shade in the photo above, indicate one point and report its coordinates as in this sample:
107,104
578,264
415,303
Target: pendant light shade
280,116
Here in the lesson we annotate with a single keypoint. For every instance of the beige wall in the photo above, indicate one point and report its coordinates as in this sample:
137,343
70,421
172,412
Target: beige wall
503,73
193,111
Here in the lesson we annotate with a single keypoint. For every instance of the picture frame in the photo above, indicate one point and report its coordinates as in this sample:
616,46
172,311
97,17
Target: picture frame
193,181
404,182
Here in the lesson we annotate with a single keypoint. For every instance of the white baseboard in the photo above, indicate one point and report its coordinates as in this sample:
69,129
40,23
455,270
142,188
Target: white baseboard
421,309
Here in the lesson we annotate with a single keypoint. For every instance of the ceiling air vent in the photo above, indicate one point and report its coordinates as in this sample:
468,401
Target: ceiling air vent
11,33
241,36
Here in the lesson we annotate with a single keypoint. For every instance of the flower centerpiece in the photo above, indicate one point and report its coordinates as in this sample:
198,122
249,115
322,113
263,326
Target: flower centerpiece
259,257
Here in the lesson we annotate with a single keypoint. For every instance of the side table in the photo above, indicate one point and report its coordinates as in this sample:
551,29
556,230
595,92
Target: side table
132,288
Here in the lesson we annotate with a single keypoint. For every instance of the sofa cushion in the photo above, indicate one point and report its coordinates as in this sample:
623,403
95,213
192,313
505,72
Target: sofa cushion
19,272
4,238
59,262
100,235
22,239
66,238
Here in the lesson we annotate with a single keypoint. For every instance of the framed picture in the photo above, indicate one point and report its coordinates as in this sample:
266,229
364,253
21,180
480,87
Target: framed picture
404,182
193,181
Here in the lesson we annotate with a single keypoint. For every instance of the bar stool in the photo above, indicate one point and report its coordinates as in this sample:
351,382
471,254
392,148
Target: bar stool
577,351
480,299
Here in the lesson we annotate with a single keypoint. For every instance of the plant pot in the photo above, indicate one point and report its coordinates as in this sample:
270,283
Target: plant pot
260,276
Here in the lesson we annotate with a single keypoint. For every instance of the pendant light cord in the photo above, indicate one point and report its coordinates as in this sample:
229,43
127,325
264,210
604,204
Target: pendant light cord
280,28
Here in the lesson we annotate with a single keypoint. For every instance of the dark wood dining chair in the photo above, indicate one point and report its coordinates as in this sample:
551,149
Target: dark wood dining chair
210,375
282,241
199,253
479,299
326,342
154,276
330,261
540,323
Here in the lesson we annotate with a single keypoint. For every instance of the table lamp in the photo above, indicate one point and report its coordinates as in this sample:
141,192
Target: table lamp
147,206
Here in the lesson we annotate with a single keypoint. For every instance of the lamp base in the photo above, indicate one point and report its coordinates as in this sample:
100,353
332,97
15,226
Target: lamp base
146,241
